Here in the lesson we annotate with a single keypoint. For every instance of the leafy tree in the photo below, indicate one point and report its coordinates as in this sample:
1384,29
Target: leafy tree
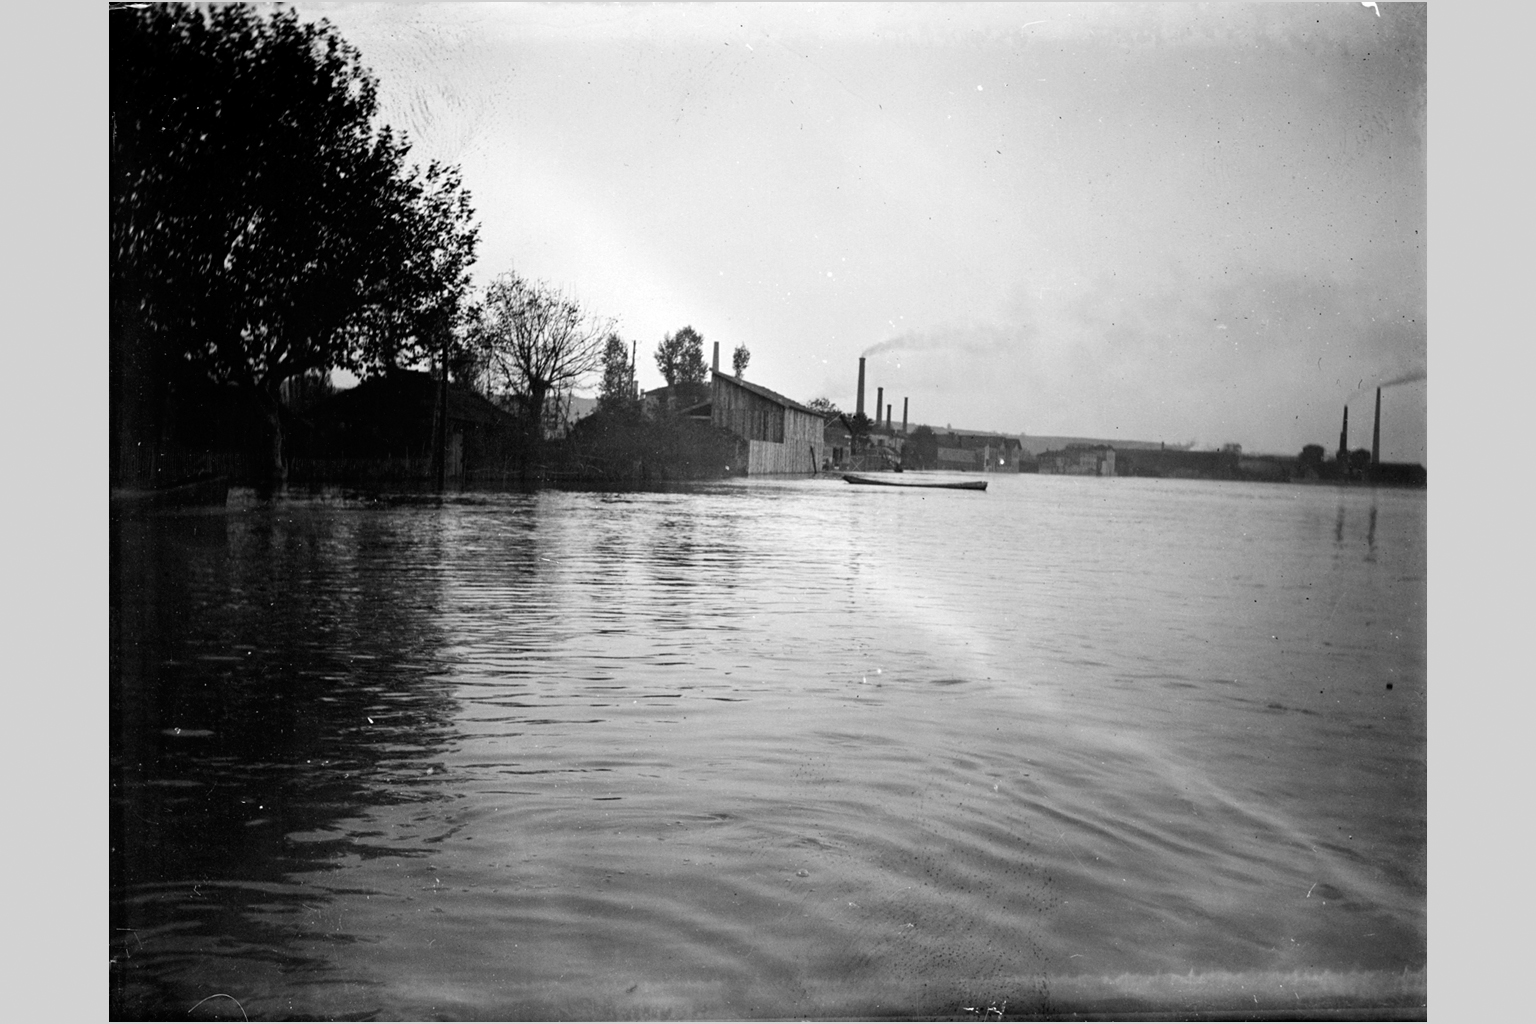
739,359
858,426
617,388
680,357
261,226
469,362
825,406
537,340
922,448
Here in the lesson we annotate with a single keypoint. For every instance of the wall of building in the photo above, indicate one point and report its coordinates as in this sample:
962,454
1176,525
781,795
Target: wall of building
1261,469
767,457
989,453
1177,464
780,439
1075,461
957,458
747,414
803,439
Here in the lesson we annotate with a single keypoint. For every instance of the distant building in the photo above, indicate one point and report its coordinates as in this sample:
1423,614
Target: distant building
1034,445
1181,464
388,426
569,410
685,399
979,451
1400,474
1079,460
837,444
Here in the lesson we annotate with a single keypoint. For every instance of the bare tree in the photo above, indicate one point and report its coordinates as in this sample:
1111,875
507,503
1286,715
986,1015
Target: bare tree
537,339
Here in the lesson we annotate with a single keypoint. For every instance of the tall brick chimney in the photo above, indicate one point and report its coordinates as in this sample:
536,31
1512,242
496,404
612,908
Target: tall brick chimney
859,410
1376,432
717,357
879,405
1344,438
904,415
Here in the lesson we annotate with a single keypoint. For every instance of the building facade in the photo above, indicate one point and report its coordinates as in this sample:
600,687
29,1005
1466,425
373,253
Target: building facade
782,435
1079,460
978,452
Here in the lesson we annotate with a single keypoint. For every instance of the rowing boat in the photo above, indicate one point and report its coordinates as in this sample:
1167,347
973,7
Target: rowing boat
954,485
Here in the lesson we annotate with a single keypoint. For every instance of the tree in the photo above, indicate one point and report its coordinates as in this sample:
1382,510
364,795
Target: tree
430,278
261,226
826,407
469,363
922,448
858,426
680,357
739,359
617,388
538,339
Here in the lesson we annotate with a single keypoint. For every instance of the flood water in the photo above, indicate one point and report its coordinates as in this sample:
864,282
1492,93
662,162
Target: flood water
771,749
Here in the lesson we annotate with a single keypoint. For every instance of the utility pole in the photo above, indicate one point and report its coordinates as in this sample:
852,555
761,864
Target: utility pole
442,417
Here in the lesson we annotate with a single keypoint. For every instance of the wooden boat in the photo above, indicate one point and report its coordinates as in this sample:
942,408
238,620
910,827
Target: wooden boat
954,485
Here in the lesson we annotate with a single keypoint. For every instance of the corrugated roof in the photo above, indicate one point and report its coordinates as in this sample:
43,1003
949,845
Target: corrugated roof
762,392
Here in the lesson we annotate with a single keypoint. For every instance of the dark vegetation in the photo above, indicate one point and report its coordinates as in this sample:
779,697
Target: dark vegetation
619,444
267,230
922,449
261,227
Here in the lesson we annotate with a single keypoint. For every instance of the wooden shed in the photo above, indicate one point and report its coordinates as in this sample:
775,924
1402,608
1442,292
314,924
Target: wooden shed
782,435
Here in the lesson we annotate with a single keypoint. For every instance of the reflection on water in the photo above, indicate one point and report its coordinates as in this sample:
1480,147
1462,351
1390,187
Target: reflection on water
270,674
771,750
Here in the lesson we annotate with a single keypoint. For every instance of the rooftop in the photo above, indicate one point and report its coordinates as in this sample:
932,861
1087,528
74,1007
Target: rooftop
762,392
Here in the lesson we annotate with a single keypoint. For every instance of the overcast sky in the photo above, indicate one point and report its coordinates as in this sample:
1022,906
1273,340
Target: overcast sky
1149,222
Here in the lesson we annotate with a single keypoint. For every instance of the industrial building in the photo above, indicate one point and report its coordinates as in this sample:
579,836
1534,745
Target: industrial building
778,434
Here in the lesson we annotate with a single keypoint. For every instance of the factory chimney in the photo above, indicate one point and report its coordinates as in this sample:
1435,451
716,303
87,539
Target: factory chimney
1344,438
879,405
1376,433
887,417
716,367
859,409
903,415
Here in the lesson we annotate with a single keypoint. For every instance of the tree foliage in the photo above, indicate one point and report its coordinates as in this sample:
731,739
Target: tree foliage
617,388
680,357
825,406
922,448
739,360
537,339
261,226
858,426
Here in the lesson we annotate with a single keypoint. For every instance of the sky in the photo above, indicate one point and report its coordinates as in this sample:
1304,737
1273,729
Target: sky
1157,222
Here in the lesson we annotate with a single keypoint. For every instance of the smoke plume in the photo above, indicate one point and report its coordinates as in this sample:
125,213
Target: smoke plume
972,338
1406,377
